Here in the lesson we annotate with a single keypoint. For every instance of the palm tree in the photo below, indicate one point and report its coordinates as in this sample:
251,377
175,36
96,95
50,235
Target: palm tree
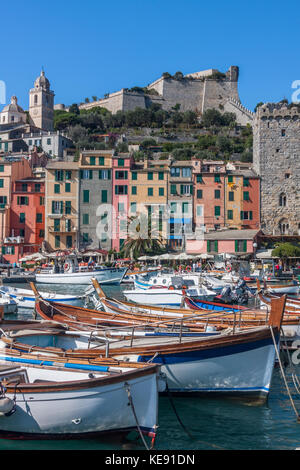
141,243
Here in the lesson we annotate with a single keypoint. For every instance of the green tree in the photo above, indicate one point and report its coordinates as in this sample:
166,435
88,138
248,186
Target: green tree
74,108
258,105
285,251
178,76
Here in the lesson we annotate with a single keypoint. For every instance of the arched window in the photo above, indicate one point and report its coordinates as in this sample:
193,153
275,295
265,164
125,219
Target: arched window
282,200
35,99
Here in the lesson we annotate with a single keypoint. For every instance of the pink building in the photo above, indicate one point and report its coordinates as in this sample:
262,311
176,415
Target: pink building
121,165
237,242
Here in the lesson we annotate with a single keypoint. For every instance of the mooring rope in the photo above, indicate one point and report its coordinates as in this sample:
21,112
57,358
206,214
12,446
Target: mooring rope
127,387
176,414
283,376
291,365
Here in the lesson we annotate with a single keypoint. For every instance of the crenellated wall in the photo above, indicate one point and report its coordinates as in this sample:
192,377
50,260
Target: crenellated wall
276,158
194,92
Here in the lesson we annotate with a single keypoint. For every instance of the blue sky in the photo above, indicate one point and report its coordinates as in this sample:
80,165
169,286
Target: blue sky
96,47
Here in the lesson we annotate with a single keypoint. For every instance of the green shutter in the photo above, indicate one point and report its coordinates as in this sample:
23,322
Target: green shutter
245,245
104,195
216,246
86,195
236,246
208,246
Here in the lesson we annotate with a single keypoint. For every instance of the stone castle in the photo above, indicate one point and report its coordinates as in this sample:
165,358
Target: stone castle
276,150
196,92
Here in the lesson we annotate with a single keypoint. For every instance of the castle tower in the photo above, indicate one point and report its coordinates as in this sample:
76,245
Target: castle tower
41,104
276,158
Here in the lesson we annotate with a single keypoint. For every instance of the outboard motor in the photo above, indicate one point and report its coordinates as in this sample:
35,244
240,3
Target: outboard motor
225,295
237,295
240,293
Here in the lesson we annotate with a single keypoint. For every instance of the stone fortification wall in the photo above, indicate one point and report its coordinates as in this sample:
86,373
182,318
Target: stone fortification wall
196,92
276,158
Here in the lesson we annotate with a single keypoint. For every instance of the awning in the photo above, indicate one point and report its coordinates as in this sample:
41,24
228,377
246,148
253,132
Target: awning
266,254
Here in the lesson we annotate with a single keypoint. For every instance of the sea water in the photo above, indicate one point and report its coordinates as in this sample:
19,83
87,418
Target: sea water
212,424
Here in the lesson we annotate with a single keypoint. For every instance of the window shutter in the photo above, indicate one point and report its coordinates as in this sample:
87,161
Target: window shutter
216,246
236,246
245,245
208,246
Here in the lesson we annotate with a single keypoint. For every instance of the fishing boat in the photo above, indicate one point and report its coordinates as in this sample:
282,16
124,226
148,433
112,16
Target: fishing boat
283,289
57,400
9,305
215,306
71,273
166,280
167,296
230,364
25,298
130,277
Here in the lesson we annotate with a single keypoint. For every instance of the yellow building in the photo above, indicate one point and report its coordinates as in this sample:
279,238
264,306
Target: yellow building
61,205
148,194
233,200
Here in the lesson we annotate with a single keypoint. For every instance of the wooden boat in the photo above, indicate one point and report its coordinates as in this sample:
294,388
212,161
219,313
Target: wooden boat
59,399
167,296
282,289
215,313
215,306
238,364
292,304
25,298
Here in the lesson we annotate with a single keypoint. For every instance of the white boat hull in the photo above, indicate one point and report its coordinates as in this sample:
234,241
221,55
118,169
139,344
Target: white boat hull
155,296
234,372
83,412
26,299
105,276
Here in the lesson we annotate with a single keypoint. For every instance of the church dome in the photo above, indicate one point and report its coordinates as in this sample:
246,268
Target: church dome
13,107
42,81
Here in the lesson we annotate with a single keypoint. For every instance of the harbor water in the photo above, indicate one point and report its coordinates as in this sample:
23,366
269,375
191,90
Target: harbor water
213,424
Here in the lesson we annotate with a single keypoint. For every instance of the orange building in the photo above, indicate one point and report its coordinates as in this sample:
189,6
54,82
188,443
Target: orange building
11,169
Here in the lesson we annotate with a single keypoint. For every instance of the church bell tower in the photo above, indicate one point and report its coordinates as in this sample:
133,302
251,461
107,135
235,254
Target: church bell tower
41,104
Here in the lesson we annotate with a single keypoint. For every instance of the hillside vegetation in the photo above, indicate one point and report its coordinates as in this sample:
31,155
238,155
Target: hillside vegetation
182,134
